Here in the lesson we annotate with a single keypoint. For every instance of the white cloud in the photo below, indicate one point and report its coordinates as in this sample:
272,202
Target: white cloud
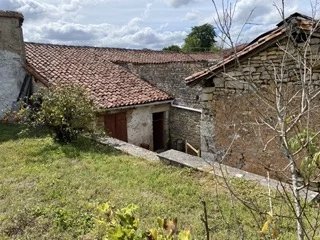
56,22
30,8
178,3
140,37
146,11
130,35
35,9
138,24
192,16
262,12
254,17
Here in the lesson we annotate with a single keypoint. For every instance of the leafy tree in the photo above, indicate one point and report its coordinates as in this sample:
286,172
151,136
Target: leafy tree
172,48
66,111
201,39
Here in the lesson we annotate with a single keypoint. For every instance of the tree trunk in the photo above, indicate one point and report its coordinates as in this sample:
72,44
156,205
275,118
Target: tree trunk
297,203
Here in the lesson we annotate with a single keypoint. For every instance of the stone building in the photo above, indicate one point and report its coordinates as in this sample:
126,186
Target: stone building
185,110
140,94
12,59
230,89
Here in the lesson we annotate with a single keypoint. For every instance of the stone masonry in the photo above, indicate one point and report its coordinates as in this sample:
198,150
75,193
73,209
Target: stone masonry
183,124
12,59
230,109
169,77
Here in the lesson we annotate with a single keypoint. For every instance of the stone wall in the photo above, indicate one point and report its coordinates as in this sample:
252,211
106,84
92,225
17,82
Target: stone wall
184,125
231,110
12,59
169,77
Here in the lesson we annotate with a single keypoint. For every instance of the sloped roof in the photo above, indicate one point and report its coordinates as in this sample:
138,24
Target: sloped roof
144,56
109,84
118,55
301,21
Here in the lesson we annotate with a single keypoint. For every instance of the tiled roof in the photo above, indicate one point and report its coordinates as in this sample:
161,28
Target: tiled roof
144,56
249,48
230,51
302,22
109,84
153,57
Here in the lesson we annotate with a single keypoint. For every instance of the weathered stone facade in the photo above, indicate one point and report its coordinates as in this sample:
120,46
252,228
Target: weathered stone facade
184,125
12,59
169,77
231,108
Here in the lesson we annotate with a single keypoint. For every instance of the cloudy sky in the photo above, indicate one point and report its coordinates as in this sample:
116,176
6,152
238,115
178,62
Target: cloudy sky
150,24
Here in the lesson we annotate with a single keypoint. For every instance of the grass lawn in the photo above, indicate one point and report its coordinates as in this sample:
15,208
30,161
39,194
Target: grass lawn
50,191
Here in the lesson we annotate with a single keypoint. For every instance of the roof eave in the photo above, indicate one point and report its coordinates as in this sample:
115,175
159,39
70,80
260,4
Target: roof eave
156,102
33,72
207,74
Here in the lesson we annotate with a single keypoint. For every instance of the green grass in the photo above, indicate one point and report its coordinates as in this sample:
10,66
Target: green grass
50,191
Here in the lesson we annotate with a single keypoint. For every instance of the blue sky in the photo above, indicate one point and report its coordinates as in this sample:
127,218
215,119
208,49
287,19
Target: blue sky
150,24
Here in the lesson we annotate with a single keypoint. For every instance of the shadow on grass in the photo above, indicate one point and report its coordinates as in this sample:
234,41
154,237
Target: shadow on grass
9,132
73,150
86,145
82,145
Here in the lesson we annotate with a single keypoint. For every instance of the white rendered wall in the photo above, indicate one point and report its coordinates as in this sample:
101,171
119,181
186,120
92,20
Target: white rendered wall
12,59
11,78
139,124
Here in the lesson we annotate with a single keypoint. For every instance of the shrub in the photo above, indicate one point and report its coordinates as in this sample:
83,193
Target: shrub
66,111
122,224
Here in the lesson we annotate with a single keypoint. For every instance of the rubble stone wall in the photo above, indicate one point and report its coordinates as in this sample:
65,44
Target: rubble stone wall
232,109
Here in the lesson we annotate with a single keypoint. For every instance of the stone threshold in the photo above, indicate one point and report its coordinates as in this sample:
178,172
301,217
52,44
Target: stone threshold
129,148
182,159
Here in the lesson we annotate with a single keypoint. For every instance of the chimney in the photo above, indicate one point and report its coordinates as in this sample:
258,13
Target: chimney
12,59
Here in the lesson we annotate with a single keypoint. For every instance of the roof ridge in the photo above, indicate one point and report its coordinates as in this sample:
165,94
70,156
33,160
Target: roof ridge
94,47
259,41
253,45
119,49
293,16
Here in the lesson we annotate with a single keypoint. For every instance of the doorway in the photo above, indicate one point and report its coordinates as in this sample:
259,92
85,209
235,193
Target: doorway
116,125
158,131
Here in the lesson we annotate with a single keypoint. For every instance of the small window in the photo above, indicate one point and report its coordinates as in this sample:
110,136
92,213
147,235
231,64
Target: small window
300,37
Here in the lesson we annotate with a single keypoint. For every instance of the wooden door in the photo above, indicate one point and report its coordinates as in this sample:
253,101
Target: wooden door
116,125
158,131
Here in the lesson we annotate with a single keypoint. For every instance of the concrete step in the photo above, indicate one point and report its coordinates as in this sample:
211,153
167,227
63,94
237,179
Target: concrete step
175,157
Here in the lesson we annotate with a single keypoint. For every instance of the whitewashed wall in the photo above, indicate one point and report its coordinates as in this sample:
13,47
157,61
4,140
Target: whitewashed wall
139,124
12,59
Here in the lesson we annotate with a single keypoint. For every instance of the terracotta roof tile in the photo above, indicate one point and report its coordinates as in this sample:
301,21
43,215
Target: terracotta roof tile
145,56
109,84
